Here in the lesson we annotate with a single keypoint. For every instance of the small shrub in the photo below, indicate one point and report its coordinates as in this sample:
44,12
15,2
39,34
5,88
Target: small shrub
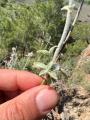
75,48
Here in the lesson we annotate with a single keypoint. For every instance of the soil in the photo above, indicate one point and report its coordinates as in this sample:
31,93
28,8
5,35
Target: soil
74,104
78,106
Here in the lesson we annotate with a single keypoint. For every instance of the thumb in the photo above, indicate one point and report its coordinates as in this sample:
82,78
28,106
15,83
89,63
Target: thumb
30,105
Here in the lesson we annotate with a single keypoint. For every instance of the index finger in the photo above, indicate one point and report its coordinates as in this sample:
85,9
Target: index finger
11,80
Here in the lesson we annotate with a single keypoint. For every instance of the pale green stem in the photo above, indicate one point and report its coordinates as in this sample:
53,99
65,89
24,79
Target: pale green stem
65,32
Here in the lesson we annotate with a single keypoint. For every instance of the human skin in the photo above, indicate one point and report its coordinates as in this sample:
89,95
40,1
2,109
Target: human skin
22,97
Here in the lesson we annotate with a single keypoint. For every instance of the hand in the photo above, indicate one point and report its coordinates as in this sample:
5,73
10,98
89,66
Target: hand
22,97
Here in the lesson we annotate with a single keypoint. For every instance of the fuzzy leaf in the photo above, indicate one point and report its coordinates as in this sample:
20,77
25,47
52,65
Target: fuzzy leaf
52,49
49,66
39,65
53,75
43,52
43,72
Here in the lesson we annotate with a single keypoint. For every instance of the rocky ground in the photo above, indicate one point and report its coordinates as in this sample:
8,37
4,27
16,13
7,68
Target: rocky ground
78,106
74,105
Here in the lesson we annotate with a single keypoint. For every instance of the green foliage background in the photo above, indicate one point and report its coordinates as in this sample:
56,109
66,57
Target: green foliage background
27,27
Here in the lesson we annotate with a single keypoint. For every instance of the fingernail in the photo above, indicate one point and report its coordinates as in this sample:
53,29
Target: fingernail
46,100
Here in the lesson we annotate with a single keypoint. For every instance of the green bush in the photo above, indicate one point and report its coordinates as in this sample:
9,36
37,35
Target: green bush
75,48
28,27
78,41
13,24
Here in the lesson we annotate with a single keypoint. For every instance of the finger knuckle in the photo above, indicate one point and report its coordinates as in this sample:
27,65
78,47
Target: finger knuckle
15,112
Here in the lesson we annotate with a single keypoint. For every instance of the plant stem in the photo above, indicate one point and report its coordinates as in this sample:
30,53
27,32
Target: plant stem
65,31
75,19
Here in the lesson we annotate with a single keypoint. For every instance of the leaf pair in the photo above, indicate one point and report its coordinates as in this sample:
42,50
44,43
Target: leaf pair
46,69
46,52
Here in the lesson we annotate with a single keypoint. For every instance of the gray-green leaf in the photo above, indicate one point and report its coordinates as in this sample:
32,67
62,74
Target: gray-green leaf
49,66
39,65
45,52
51,50
43,72
53,75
